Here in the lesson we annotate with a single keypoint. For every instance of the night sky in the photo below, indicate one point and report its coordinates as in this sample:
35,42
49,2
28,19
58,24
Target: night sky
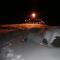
17,11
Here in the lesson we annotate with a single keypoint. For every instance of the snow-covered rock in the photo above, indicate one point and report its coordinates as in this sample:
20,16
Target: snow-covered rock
51,34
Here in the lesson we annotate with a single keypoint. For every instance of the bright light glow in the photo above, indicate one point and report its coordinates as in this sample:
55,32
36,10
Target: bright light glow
33,15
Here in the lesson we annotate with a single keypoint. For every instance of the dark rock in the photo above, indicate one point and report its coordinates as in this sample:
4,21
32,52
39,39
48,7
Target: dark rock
56,42
45,41
25,39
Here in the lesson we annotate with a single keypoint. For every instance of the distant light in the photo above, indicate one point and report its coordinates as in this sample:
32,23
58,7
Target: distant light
33,15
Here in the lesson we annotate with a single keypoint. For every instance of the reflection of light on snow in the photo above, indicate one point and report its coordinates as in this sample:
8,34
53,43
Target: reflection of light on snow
41,43
9,54
13,56
17,57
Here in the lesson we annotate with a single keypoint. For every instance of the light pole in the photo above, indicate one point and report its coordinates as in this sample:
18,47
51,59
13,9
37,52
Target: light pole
33,17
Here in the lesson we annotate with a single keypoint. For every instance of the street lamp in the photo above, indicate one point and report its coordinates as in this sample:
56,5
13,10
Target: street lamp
33,15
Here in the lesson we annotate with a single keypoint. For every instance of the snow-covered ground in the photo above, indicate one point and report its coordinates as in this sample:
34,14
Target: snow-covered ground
30,52
33,48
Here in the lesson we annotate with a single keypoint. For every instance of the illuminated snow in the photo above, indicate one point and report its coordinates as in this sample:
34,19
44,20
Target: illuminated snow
33,52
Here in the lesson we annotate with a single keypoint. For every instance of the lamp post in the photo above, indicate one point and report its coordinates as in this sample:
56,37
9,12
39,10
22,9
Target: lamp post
34,19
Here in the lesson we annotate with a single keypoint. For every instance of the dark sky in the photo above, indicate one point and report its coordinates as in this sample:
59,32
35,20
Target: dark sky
17,11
